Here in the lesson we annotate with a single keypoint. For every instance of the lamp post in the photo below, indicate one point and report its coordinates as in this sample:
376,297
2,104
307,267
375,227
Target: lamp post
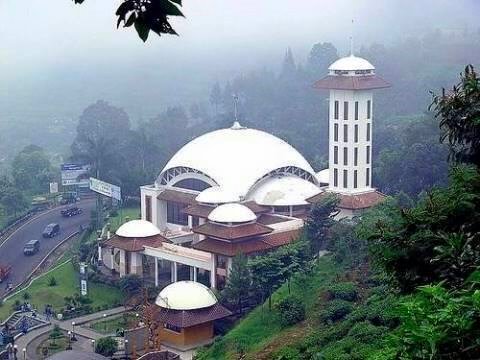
74,338
126,349
15,350
69,347
104,323
24,354
93,345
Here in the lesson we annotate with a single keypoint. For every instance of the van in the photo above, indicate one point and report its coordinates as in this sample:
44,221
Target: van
31,247
51,230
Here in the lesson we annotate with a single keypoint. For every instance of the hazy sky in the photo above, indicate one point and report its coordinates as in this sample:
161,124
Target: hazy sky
53,52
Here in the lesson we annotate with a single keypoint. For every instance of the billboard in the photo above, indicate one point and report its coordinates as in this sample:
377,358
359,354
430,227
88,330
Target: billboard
53,187
75,174
104,188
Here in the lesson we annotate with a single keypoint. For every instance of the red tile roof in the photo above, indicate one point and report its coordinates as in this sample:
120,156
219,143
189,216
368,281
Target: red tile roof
232,232
188,318
270,219
247,246
354,201
177,196
351,82
134,244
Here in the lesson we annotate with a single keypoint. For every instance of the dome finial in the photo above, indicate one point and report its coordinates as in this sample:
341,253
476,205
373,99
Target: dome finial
236,124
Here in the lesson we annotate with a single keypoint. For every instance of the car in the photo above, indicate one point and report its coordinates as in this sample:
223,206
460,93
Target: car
72,211
51,230
31,247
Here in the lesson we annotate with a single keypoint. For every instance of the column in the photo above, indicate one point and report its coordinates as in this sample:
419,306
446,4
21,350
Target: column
194,274
174,272
156,271
123,262
213,274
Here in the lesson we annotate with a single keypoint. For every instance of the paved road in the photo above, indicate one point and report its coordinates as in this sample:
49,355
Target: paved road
11,251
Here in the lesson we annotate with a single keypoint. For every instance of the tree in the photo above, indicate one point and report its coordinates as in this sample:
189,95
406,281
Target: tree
237,288
147,16
266,275
320,58
320,219
31,169
106,346
13,201
131,284
289,68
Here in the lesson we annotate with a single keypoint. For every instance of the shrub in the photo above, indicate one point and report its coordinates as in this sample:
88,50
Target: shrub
287,353
52,281
344,291
106,346
26,296
131,284
292,310
336,310
367,333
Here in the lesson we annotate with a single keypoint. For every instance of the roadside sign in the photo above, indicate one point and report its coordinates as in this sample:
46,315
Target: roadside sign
83,279
75,174
53,187
104,188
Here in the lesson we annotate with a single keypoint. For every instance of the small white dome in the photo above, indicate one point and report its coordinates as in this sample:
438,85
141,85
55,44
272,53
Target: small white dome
284,191
351,63
232,213
137,229
217,195
323,176
186,295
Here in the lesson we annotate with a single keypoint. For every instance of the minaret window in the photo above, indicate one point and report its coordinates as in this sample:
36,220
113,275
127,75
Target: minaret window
345,156
368,177
355,182
335,177
335,110
345,178
345,133
369,108
355,156
335,132
368,154
356,133
345,110
356,110
368,131
335,154
148,208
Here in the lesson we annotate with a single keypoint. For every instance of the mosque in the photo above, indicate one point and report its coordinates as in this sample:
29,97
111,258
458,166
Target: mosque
240,190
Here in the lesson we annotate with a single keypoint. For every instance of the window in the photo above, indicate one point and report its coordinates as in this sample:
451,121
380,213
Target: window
345,156
175,214
195,221
368,154
148,208
345,110
356,110
368,177
192,184
345,133
368,132
355,182
172,328
335,110
355,156
335,154
369,109
335,177
345,178
356,133
335,132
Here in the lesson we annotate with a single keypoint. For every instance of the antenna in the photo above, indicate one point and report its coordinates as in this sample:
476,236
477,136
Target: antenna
351,40
235,106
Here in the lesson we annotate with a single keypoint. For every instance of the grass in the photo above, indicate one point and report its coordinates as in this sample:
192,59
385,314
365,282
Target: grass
111,325
67,285
262,326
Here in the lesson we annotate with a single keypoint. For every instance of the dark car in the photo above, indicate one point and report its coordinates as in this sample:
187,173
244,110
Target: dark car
71,211
51,230
31,247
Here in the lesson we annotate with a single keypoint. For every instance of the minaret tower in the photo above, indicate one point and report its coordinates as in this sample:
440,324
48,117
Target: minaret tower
351,81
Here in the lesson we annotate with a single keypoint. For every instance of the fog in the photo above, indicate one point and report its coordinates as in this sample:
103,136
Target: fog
56,57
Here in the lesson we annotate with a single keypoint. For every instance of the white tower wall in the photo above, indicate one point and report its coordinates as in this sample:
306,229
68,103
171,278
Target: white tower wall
338,164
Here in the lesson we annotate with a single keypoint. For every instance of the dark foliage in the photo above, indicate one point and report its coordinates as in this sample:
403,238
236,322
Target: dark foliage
292,310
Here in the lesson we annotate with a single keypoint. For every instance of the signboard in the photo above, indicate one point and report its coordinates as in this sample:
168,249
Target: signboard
83,279
104,188
53,187
74,174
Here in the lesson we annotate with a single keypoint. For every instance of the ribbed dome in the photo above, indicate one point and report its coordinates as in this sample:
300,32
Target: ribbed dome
186,295
237,157
232,213
351,63
137,229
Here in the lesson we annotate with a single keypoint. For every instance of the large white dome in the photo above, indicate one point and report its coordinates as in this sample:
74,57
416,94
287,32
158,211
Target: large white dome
186,295
232,213
237,157
137,229
351,63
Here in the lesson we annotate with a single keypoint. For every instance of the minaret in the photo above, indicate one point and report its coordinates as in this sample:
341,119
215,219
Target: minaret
351,81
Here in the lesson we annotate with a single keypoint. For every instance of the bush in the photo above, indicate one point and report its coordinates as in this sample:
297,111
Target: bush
344,291
26,296
106,346
131,284
287,353
367,333
336,310
292,310
52,281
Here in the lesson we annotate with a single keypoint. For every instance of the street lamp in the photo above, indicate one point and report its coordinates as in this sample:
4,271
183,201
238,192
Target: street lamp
24,354
15,350
126,349
105,323
69,347
74,338
93,345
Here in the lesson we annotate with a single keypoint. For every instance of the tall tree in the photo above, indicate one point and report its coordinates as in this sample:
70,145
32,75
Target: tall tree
289,68
238,284
31,170
320,219
266,275
320,58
